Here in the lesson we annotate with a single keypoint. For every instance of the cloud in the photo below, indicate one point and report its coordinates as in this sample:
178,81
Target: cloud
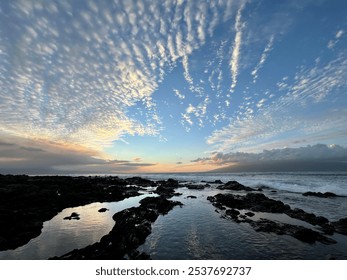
263,58
38,157
332,43
74,73
178,94
236,49
295,115
309,156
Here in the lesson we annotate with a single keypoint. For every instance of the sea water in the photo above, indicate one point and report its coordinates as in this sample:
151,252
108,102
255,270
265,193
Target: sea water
198,230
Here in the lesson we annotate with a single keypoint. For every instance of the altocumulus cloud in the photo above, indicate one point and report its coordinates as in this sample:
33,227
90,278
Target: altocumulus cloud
295,116
73,70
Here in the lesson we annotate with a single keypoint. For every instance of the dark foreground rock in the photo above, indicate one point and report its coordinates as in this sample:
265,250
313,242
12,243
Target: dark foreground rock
132,226
26,202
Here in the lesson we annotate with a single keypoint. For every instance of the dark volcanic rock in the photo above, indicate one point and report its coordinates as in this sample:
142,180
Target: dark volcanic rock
213,182
341,226
73,216
249,214
251,201
167,188
258,202
159,204
307,217
101,210
191,196
234,186
197,187
319,194
232,213
140,181
132,226
299,232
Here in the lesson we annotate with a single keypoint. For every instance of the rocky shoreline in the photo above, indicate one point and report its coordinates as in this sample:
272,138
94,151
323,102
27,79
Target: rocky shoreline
253,200
26,202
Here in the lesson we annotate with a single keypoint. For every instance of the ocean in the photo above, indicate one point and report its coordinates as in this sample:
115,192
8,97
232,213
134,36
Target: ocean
197,230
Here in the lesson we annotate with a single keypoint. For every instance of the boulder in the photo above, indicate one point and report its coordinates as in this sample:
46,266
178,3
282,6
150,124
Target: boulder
234,186
319,194
73,216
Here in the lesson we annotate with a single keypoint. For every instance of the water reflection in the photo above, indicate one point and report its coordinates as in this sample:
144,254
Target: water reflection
60,236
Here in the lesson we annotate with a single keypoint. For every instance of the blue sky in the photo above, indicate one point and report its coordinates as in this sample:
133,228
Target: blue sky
155,86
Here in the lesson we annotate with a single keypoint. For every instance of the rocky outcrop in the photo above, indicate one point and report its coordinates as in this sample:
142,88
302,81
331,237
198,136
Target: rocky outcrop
73,216
258,202
341,226
234,186
319,194
196,187
213,182
132,226
299,232
167,188
251,201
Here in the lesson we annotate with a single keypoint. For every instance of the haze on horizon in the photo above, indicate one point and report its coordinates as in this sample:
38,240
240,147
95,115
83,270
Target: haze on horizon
172,86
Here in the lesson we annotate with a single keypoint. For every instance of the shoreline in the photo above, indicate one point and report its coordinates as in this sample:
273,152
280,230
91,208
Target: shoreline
28,201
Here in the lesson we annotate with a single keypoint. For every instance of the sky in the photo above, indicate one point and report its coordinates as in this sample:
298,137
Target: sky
170,86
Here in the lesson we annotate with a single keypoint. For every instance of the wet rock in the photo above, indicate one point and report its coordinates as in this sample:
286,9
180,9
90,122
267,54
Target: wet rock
213,182
307,217
252,201
167,188
232,213
197,187
73,216
191,196
235,186
249,214
132,226
101,210
299,232
160,204
319,194
140,181
172,183
258,202
341,226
